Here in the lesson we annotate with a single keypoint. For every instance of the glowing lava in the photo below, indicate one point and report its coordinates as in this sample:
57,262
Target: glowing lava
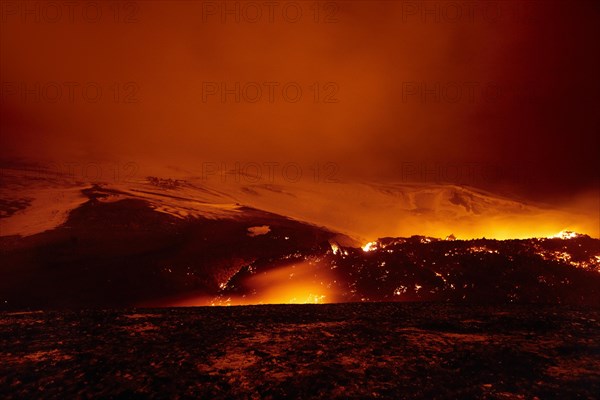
371,246
565,235
299,283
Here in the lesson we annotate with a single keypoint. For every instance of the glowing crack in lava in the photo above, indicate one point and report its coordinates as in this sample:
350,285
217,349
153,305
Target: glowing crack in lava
371,246
295,284
565,235
299,283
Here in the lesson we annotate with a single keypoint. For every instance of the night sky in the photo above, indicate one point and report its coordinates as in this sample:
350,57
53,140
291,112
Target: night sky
380,88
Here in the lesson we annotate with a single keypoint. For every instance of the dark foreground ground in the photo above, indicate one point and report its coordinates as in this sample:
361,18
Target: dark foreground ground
413,351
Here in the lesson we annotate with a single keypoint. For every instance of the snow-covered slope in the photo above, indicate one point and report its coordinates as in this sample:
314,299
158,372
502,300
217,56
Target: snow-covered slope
33,202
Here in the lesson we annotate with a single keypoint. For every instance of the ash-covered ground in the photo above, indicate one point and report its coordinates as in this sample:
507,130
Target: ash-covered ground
369,350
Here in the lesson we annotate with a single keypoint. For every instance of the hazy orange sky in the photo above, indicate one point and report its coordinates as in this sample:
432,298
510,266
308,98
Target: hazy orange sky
508,86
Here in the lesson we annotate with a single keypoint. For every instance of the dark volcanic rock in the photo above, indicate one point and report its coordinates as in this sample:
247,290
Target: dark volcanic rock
426,269
369,350
125,253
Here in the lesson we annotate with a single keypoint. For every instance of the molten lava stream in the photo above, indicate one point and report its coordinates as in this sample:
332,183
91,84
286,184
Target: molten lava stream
298,283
